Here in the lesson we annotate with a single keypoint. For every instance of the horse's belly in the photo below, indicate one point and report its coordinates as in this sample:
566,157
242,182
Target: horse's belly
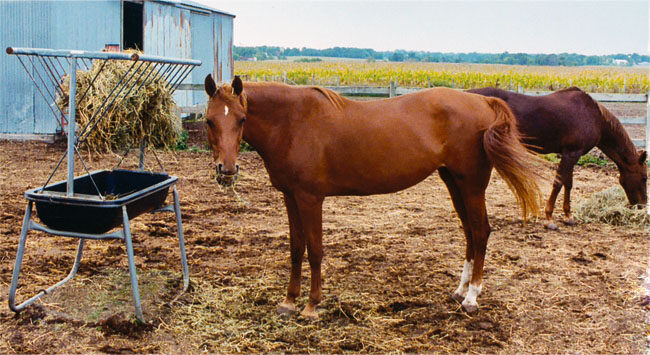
379,180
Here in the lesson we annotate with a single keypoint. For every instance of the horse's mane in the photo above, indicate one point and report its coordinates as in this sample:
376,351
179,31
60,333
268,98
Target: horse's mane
227,94
335,98
616,127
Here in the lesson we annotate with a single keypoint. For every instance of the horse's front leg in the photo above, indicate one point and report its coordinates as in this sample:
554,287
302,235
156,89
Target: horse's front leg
564,176
310,210
297,246
568,184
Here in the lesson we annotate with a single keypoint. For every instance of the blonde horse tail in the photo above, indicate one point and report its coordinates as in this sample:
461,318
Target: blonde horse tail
502,144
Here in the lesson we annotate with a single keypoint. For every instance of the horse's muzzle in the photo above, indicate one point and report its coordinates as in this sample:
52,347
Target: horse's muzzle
225,179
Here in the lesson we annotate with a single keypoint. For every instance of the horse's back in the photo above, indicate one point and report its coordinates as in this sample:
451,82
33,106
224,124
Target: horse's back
387,145
568,119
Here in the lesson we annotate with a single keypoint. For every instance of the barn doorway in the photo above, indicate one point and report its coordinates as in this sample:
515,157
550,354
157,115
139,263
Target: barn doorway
132,25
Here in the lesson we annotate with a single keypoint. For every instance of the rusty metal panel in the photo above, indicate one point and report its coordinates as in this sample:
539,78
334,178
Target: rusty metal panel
167,33
223,35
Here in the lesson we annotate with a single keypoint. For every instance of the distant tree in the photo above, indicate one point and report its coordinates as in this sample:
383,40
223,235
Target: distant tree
569,59
397,56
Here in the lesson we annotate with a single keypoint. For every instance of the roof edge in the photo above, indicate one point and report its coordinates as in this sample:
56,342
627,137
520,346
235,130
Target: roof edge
192,5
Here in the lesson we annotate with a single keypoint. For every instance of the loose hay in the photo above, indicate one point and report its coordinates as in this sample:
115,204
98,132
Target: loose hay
611,207
146,113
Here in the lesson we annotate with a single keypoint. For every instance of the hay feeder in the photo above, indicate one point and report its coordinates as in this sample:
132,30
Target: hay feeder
91,205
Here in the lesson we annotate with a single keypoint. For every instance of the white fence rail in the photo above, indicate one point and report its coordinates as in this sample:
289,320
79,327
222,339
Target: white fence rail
394,90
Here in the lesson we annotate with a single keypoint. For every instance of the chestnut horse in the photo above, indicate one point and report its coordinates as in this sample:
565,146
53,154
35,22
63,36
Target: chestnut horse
315,143
571,123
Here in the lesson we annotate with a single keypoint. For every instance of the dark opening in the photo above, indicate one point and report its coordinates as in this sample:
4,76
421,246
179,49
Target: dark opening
132,26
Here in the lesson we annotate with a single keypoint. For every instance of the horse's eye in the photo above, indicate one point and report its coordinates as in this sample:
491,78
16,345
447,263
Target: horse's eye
209,123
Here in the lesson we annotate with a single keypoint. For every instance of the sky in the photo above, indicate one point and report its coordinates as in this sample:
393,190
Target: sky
487,26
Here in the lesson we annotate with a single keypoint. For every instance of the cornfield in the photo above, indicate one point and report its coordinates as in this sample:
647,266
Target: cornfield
462,76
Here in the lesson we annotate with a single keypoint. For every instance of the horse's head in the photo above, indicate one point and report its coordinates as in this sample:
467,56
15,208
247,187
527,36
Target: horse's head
634,180
225,118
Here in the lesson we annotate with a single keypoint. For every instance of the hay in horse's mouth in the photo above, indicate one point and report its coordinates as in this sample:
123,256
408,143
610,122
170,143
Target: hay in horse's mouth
227,180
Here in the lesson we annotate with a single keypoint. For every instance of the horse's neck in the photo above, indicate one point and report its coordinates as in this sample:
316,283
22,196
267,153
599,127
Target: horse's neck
616,144
266,117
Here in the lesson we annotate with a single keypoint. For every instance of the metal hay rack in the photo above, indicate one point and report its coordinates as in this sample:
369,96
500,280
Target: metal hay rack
91,205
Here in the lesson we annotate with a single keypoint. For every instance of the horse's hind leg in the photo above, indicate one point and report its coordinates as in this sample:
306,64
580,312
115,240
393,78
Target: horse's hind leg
297,245
480,231
459,206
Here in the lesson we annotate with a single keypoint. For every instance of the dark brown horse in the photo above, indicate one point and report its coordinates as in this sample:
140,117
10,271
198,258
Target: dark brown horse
315,143
571,123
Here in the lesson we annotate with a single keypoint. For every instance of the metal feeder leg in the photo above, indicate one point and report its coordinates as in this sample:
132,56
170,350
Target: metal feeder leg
181,240
19,259
135,292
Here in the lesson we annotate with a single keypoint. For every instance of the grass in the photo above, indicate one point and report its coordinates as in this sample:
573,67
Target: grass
585,160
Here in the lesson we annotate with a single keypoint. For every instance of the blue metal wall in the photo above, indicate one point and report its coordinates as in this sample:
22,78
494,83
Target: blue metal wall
46,24
171,28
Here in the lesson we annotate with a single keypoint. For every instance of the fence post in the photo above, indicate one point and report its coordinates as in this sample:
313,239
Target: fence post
520,89
624,85
338,80
428,82
391,89
312,78
284,77
647,125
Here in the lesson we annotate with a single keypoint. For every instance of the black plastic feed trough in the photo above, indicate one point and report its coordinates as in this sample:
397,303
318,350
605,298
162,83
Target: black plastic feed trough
88,212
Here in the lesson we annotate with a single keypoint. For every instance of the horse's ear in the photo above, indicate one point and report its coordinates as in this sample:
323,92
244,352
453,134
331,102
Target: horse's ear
210,86
643,155
237,85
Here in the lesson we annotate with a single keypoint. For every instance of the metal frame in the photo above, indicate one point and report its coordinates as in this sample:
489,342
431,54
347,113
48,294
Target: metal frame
122,234
48,68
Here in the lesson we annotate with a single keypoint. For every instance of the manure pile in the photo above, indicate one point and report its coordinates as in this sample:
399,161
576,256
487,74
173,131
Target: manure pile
146,113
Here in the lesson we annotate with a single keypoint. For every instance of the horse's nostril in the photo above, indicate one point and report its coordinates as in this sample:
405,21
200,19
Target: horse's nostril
219,167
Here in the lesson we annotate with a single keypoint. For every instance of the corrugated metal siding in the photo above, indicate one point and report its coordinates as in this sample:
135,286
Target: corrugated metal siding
47,24
224,61
169,30
16,95
167,33
203,50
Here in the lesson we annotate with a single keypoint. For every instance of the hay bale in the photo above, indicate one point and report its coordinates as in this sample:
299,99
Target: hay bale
146,113
611,206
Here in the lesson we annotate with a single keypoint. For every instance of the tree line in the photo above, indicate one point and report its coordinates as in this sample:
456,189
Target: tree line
563,59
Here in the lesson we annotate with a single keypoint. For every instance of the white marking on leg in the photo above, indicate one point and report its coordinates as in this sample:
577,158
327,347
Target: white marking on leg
464,278
469,303
225,110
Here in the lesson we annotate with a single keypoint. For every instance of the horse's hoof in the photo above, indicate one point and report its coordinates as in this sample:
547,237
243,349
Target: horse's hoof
310,313
570,222
550,225
457,297
470,307
286,309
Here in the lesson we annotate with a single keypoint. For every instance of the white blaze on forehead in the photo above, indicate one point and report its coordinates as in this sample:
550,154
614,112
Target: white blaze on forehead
225,109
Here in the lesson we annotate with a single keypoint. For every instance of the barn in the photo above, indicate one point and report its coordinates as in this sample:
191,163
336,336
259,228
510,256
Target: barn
170,28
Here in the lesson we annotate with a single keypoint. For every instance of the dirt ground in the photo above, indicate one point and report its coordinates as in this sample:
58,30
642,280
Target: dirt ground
391,262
